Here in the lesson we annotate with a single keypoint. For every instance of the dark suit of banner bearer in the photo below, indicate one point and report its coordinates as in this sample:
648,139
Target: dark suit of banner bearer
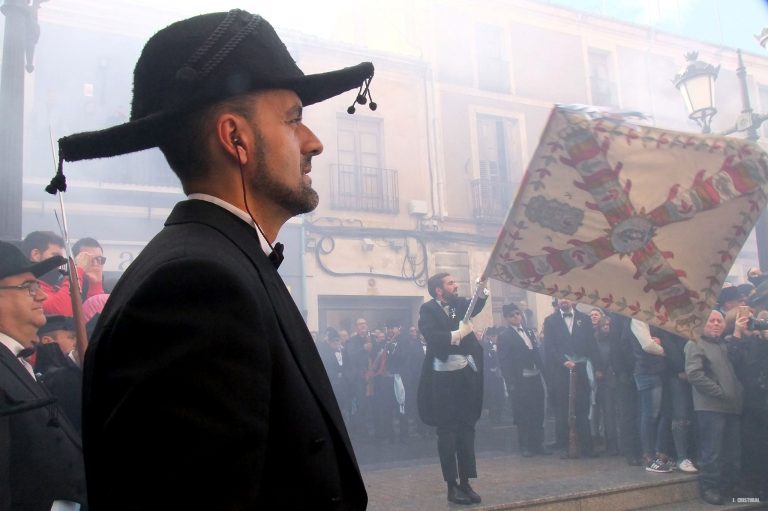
569,337
451,400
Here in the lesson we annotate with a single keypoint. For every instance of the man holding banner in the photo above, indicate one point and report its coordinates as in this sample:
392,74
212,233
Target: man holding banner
451,389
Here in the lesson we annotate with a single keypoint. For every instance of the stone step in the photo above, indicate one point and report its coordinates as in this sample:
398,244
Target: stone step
698,505
510,482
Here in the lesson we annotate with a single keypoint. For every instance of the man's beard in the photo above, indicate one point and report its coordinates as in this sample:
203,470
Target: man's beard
450,298
295,201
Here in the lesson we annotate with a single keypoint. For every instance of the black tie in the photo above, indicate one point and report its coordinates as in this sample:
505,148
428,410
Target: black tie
26,352
567,314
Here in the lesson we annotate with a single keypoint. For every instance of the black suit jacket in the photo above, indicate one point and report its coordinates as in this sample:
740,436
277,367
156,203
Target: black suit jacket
436,327
203,387
514,355
41,451
558,343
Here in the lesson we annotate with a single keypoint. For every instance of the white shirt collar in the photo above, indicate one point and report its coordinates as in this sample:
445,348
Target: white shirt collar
243,215
11,343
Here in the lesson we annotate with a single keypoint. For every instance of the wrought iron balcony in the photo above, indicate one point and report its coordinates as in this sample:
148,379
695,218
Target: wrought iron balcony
491,198
358,188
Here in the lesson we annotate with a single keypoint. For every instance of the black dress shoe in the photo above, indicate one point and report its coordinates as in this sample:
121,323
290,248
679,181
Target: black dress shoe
712,497
469,492
458,496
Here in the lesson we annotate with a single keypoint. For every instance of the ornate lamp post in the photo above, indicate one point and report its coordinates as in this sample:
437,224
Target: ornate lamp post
696,83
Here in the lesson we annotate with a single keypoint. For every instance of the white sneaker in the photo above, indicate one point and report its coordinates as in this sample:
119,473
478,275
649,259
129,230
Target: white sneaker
687,466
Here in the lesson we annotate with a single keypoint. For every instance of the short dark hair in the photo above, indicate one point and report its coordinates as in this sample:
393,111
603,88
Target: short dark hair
183,145
84,242
434,282
40,240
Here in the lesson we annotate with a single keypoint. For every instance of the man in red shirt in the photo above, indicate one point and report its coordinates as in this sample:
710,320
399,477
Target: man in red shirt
39,246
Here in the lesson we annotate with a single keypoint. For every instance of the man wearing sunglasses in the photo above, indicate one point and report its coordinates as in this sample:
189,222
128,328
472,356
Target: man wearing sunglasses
41,460
90,257
89,260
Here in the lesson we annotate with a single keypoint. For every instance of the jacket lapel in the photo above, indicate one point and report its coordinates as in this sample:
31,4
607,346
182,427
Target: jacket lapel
291,322
8,359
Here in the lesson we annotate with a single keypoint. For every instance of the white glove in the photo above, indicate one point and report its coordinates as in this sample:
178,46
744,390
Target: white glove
465,328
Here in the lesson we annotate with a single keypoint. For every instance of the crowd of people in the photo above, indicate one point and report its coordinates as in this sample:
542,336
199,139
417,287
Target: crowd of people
663,402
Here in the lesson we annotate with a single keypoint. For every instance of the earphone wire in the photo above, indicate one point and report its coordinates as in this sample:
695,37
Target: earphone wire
245,197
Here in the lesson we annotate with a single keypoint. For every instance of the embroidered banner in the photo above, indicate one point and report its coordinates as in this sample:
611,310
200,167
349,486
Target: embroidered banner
638,220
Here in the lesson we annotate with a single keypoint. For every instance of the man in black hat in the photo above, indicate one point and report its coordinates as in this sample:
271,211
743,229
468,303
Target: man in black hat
59,330
41,459
227,404
521,364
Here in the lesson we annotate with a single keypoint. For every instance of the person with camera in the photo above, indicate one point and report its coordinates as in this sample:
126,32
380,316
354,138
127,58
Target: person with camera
748,351
717,400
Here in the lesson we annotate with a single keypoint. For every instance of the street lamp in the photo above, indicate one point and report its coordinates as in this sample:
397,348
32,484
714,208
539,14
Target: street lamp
696,83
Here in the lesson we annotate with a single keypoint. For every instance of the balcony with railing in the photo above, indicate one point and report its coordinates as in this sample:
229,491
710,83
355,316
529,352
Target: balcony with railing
491,199
358,188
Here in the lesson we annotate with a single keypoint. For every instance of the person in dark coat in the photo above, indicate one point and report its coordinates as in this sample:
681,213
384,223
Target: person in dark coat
41,457
748,352
451,387
332,356
203,388
405,361
494,391
521,365
623,365
569,342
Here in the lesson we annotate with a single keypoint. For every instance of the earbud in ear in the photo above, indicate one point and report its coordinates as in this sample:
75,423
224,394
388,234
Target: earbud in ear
236,140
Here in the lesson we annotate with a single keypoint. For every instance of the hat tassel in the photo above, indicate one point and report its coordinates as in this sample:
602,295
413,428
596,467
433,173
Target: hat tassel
363,96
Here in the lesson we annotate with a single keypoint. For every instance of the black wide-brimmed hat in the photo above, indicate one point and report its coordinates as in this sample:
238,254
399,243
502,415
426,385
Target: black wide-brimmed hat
13,262
200,61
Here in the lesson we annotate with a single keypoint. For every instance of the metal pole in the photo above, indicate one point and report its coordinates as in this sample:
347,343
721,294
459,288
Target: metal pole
750,127
12,117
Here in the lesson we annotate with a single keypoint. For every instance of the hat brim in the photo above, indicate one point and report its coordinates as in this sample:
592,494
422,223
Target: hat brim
36,269
144,133
44,267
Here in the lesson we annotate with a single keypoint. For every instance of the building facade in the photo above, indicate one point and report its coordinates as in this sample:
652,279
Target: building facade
420,185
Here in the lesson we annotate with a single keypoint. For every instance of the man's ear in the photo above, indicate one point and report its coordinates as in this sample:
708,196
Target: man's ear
232,137
46,339
35,255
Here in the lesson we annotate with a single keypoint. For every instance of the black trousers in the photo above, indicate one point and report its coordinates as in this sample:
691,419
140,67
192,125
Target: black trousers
560,402
528,407
628,418
453,393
